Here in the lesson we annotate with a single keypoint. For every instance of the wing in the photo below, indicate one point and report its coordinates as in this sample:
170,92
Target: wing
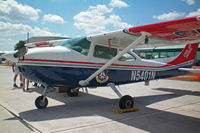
180,31
45,41
174,32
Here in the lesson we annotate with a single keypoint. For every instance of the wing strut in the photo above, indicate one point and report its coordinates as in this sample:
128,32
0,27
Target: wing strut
139,40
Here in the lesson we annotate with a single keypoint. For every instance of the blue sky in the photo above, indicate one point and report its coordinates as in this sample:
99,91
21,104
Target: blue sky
83,17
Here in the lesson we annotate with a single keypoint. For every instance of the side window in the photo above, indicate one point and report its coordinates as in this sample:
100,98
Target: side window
127,57
104,52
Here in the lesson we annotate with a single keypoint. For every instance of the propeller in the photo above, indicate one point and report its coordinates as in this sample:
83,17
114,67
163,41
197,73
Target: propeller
21,52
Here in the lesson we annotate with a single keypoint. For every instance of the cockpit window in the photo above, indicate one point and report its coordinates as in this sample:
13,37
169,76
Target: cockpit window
104,52
80,45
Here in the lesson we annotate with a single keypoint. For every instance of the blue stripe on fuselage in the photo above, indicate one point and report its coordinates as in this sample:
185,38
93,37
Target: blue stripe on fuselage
70,76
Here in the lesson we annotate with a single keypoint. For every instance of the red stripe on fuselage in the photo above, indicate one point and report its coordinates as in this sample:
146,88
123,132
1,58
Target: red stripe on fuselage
92,63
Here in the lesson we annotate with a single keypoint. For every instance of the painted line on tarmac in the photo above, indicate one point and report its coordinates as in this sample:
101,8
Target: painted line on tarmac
84,126
24,122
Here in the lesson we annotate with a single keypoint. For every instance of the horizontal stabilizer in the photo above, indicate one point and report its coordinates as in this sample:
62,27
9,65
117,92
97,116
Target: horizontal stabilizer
192,70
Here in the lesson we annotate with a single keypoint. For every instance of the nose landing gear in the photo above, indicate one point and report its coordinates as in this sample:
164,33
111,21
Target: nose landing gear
41,102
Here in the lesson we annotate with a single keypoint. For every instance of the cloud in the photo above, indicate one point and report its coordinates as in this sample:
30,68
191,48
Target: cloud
53,19
117,3
169,16
12,11
116,22
189,2
7,44
9,29
94,20
196,13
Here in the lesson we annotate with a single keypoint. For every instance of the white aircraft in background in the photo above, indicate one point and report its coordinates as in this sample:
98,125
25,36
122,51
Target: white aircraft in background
107,59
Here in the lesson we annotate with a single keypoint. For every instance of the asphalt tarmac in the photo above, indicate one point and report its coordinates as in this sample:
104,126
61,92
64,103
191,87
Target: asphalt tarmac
164,106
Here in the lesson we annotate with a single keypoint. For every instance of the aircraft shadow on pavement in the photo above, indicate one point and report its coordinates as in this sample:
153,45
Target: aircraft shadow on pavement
148,119
179,92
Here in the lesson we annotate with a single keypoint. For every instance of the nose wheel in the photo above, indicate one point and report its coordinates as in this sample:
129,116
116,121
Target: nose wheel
41,102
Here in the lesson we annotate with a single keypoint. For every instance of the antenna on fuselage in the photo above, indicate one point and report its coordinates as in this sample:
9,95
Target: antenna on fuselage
27,37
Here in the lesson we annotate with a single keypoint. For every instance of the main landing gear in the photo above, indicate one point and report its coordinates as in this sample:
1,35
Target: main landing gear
72,92
126,102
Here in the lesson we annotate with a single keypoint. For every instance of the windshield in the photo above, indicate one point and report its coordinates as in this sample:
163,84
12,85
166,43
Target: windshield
80,45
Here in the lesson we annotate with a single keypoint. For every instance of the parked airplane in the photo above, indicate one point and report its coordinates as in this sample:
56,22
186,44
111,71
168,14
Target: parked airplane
107,59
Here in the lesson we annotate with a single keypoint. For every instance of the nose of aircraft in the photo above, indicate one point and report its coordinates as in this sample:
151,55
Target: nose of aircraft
10,56
14,55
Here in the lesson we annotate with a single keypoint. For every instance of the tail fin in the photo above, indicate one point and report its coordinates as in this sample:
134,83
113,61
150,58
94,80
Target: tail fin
188,54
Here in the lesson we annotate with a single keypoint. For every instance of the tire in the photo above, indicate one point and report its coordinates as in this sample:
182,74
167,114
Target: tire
72,92
126,102
39,102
